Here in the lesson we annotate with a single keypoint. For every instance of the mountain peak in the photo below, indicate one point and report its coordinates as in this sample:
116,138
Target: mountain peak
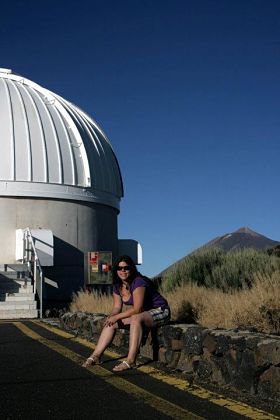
244,237
247,230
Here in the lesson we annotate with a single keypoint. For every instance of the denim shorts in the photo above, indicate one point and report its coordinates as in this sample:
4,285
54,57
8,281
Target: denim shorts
160,315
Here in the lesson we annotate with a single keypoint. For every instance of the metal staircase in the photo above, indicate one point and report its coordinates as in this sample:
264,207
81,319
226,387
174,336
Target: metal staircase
17,296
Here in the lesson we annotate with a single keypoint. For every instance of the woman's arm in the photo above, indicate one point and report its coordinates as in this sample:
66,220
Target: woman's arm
117,308
138,303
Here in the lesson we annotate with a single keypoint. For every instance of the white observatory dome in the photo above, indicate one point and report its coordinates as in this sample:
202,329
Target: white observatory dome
51,148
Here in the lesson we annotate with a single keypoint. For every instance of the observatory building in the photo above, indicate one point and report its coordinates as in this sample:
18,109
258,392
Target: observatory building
60,192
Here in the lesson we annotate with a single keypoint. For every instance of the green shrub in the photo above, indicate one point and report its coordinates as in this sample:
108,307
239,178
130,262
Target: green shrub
213,267
274,251
240,267
196,268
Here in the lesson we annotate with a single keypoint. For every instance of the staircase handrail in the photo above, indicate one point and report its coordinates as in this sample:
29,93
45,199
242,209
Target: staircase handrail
27,234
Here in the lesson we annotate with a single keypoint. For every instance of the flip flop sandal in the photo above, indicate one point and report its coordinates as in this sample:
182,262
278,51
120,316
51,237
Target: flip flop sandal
91,361
124,365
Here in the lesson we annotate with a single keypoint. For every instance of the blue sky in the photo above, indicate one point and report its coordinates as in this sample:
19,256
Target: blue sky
187,92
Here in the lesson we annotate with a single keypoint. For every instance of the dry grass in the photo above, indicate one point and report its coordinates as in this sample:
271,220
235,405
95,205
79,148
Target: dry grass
210,307
243,308
91,302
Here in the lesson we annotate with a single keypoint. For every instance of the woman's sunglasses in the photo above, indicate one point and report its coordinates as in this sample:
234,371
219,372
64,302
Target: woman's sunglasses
124,268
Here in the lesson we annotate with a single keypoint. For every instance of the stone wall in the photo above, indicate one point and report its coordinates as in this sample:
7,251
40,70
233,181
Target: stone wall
244,360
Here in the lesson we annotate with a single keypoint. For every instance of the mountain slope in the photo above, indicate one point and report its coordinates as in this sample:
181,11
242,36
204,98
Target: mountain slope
239,239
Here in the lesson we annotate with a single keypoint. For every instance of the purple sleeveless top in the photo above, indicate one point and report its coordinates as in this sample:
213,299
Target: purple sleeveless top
152,298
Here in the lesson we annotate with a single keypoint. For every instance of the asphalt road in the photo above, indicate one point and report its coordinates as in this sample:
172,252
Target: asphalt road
42,378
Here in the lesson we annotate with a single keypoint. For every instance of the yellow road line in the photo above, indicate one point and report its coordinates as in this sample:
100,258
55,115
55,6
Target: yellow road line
181,384
158,403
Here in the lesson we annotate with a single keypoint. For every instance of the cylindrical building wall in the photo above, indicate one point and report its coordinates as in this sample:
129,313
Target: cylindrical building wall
78,227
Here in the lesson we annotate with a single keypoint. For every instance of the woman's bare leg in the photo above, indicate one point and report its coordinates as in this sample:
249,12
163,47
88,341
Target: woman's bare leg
105,339
136,332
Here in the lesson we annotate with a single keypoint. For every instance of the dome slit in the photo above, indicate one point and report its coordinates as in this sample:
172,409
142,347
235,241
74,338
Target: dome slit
60,179
9,150
94,158
67,156
38,140
53,163
83,178
23,151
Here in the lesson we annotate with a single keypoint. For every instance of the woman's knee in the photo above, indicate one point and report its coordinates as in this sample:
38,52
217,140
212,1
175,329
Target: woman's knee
111,328
136,319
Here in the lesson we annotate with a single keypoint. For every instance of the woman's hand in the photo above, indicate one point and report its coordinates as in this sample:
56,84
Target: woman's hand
110,321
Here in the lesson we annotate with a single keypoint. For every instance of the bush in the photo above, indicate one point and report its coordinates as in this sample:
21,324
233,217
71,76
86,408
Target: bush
274,251
213,267
196,268
239,269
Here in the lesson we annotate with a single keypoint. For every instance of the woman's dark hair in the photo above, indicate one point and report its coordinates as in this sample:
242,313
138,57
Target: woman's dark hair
133,270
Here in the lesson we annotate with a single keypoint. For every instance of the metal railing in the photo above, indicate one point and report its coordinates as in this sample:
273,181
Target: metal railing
30,257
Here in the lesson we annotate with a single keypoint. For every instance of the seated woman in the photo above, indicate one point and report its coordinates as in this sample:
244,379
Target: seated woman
147,309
